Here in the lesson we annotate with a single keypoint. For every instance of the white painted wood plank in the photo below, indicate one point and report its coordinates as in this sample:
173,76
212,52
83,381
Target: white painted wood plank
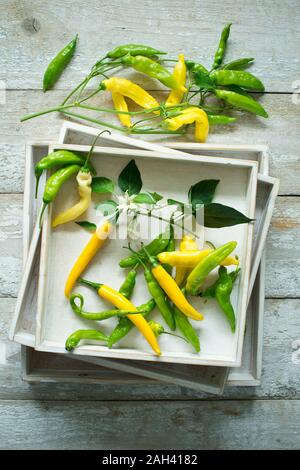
280,376
34,31
280,132
153,425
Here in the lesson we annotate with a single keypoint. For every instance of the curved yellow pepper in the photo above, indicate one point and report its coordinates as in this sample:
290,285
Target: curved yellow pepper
190,259
131,90
121,105
84,180
179,74
93,246
119,301
188,116
168,284
187,243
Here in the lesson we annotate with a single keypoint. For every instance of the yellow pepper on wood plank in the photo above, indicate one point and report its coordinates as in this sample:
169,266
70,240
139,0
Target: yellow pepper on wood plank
131,90
188,116
121,105
96,241
179,73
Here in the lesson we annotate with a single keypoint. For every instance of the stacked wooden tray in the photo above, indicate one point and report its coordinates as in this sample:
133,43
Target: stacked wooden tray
49,366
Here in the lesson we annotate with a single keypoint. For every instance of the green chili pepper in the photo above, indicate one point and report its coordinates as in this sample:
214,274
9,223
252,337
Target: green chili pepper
210,262
220,119
152,69
170,247
125,325
221,290
155,247
74,339
133,49
184,325
158,330
210,292
239,63
219,55
242,102
196,67
57,159
98,315
160,298
237,89
55,182
58,64
237,77
127,287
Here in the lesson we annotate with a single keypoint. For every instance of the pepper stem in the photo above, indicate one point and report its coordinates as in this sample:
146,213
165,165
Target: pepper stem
173,334
95,285
151,259
137,255
85,167
42,213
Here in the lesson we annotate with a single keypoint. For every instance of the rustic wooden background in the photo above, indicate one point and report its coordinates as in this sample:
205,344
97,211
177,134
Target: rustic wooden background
157,416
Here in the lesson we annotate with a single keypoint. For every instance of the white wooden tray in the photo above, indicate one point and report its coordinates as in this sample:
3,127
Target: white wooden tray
249,374
159,171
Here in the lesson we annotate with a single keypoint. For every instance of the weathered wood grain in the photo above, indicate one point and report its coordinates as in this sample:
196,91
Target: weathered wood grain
34,32
172,425
283,253
280,379
280,132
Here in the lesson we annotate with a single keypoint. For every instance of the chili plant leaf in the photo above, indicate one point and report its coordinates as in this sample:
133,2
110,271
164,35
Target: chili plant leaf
147,198
130,179
202,192
203,80
87,225
109,209
218,215
101,184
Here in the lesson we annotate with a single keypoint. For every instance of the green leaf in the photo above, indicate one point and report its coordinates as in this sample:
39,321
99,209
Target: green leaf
147,198
218,215
101,184
203,80
87,225
130,179
202,192
108,209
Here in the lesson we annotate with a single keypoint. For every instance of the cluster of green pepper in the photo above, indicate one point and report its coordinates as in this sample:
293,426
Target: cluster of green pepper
192,85
171,312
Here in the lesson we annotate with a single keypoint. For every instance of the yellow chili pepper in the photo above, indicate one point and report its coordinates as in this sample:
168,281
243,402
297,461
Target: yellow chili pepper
168,284
93,246
84,180
190,259
187,243
131,90
179,74
184,259
119,301
188,116
121,105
